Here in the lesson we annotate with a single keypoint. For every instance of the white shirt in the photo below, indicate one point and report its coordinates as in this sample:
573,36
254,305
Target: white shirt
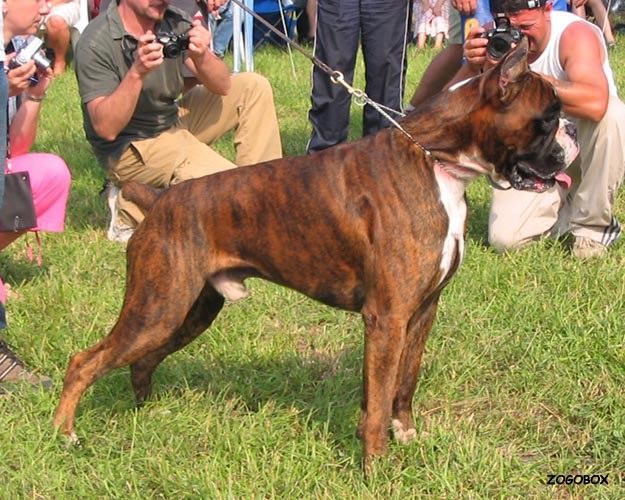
548,62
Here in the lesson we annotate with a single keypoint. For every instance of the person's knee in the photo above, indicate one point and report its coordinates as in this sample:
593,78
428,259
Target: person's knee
255,83
56,170
55,25
502,240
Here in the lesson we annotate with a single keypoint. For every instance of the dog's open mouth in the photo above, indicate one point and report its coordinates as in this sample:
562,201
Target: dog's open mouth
525,178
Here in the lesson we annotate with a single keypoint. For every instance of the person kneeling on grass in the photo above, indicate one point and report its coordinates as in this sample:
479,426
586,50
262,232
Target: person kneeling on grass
49,177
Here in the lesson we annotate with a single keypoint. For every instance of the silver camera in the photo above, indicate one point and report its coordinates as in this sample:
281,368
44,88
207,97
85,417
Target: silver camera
31,50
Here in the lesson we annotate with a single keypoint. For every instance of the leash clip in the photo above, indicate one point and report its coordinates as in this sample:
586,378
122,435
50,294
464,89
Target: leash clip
337,77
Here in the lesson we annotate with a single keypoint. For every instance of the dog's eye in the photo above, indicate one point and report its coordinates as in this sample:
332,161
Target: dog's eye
545,126
549,119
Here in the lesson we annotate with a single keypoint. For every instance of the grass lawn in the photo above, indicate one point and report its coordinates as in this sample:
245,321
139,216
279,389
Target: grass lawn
524,374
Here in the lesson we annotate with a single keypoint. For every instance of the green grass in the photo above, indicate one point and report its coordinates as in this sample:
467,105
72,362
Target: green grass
524,374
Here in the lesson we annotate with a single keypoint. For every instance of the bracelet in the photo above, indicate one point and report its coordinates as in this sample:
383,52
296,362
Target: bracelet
32,98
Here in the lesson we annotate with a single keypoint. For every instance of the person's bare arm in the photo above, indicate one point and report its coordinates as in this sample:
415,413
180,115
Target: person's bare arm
23,128
211,71
585,93
474,53
110,114
465,7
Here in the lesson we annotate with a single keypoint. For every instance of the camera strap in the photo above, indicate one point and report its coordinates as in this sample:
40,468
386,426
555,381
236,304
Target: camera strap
360,97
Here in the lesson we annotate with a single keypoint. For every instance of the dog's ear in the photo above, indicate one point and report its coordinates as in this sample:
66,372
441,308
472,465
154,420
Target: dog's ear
502,83
511,69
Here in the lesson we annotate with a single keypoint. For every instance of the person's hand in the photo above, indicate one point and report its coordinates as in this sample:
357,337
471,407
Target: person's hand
474,50
199,40
19,77
148,56
44,78
437,10
465,7
213,5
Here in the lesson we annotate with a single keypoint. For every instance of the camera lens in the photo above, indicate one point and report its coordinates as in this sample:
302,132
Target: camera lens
498,45
41,61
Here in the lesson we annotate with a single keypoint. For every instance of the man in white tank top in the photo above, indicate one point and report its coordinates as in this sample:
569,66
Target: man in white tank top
572,55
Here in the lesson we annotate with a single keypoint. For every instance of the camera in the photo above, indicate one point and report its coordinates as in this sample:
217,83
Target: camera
31,50
501,37
173,43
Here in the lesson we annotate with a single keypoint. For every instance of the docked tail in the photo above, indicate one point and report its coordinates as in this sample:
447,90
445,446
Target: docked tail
142,195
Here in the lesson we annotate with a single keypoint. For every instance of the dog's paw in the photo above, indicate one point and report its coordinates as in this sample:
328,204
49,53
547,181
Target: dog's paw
72,439
401,434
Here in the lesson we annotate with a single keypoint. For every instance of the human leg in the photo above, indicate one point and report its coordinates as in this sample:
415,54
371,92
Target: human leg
248,109
167,159
50,182
336,43
223,31
519,217
421,40
58,23
601,19
438,41
602,162
444,65
384,38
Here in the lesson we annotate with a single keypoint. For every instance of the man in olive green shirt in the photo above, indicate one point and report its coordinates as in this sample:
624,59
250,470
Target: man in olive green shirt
137,123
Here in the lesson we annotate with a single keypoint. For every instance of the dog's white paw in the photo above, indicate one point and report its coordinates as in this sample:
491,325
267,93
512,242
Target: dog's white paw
72,439
404,436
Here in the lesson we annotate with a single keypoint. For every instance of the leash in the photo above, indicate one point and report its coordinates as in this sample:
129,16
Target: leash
360,97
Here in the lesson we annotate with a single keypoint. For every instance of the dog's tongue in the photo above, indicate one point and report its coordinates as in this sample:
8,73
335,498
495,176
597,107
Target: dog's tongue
564,180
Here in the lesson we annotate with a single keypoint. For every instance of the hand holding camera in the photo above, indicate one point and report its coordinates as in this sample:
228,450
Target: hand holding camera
501,38
29,69
483,48
199,40
149,54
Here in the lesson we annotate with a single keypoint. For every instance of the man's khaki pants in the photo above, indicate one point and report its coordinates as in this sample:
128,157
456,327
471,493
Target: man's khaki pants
183,152
519,217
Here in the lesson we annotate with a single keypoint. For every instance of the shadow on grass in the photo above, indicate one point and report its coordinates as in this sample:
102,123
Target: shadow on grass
325,392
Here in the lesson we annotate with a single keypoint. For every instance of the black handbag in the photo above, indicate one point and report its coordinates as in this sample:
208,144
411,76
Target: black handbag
17,212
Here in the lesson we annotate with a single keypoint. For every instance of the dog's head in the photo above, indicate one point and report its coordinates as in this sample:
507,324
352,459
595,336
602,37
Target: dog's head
506,124
536,142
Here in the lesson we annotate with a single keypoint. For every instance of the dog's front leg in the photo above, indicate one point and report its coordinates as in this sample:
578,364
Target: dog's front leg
384,340
408,373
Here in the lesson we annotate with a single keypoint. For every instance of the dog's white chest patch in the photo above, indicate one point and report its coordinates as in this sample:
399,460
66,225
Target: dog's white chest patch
452,198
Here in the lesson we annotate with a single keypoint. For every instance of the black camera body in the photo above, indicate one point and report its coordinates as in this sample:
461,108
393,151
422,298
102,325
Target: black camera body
501,37
173,43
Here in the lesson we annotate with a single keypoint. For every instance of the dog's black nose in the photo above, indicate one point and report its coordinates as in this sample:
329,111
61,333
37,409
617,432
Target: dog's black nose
571,130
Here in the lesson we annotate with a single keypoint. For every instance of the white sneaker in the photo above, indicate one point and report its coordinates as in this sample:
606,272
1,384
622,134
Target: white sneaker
587,248
117,231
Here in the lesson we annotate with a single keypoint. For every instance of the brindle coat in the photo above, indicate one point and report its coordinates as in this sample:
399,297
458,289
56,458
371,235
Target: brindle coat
361,226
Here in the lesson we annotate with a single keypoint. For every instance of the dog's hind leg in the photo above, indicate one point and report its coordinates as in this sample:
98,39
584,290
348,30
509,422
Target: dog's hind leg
418,329
150,317
199,318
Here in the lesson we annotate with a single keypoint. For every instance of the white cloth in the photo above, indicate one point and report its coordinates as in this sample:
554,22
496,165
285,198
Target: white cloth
69,12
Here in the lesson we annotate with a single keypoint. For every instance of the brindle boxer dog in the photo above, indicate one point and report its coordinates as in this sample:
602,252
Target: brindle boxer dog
374,226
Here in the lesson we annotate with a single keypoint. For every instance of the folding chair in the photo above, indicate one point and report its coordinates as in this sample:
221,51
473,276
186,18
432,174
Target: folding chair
281,14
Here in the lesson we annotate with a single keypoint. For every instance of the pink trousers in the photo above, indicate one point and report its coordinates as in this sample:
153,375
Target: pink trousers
50,180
